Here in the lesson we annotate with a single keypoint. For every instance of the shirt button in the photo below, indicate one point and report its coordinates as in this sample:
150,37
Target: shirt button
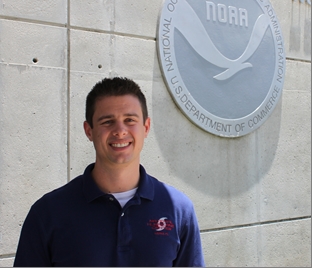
122,214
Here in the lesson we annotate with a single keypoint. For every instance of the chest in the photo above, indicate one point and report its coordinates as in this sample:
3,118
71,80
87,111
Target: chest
107,235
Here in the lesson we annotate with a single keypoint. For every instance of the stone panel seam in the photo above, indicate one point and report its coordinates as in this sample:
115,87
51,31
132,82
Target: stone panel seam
32,21
112,39
7,256
72,27
68,91
31,66
300,60
84,72
241,226
113,33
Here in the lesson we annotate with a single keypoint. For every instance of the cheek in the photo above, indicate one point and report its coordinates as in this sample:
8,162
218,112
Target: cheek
99,137
141,137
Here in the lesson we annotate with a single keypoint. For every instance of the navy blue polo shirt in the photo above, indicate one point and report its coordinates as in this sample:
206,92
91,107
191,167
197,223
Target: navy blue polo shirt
79,225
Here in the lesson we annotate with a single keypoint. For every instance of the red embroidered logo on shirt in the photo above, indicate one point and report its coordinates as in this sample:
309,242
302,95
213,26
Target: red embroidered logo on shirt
161,226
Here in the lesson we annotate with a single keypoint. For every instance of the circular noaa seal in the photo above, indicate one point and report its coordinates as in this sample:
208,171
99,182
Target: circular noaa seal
223,62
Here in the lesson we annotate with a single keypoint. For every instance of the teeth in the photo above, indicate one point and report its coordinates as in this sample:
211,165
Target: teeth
120,145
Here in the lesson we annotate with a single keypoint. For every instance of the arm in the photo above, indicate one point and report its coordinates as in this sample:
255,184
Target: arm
190,252
32,249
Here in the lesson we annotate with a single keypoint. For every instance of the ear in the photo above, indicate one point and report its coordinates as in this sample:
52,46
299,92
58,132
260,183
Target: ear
88,130
147,126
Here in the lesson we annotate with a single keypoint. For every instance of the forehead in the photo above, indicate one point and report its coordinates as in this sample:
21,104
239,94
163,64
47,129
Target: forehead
113,104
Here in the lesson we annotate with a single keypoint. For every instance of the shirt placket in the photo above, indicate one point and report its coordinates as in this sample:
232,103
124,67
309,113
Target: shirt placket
124,240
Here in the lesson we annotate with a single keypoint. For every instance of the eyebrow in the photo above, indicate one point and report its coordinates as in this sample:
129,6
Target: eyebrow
110,116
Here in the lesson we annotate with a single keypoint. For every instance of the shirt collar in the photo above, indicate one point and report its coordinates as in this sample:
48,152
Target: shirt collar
146,185
92,191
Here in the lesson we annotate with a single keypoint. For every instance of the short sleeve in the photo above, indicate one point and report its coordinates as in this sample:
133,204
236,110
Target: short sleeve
190,252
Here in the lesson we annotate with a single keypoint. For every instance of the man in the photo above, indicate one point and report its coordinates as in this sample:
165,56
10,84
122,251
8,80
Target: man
115,214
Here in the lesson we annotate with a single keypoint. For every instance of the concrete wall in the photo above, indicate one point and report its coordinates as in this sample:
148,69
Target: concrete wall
252,194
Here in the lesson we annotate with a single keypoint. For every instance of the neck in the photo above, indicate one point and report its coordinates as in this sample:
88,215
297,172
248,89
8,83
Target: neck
116,180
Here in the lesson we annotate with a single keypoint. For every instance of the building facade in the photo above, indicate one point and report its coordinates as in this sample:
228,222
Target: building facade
252,194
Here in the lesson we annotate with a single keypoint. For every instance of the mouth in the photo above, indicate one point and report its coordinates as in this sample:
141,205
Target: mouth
120,145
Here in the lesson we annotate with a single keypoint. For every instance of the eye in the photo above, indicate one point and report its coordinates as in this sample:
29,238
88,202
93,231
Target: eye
107,122
130,120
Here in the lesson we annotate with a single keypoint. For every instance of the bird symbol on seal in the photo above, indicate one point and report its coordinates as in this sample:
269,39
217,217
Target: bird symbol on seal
191,27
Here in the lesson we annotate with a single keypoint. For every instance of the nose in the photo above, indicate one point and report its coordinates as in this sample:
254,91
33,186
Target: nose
120,130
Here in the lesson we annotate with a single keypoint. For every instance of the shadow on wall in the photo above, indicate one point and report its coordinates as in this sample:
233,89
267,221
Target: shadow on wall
211,164
300,9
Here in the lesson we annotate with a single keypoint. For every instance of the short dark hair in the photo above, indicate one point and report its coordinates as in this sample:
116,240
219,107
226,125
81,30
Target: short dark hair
117,86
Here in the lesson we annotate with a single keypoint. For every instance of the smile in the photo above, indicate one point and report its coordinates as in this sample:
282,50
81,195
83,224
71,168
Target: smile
120,145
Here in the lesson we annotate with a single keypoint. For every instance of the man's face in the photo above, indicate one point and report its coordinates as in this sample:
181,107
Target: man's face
118,131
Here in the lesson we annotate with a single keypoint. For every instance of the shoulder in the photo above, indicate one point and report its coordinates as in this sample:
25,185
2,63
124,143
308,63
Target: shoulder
59,197
73,190
177,198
